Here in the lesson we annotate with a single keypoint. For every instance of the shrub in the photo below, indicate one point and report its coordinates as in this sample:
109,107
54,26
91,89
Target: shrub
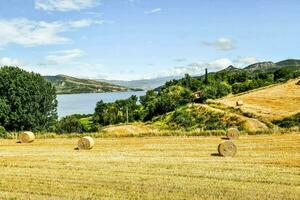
282,74
289,121
194,117
3,132
69,124
182,118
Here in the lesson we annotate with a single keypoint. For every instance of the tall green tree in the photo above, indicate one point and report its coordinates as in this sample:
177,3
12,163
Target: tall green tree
27,101
117,112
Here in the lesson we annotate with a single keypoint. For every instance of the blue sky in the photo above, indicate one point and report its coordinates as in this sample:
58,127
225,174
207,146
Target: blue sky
136,39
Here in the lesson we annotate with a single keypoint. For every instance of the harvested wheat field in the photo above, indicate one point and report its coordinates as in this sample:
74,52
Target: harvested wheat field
273,102
265,167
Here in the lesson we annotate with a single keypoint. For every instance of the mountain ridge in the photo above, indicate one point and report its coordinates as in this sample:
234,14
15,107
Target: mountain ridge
145,84
65,84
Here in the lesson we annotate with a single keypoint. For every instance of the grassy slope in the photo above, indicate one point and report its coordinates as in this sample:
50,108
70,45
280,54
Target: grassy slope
67,84
261,107
275,102
266,167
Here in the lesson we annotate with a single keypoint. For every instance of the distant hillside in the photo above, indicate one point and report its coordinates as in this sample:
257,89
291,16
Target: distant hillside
145,84
230,69
70,85
292,64
261,67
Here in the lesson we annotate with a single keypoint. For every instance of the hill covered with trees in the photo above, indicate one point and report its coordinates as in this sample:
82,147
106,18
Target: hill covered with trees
71,85
177,93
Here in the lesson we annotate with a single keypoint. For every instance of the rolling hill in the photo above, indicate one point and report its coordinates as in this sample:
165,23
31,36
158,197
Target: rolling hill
259,112
270,103
70,85
292,64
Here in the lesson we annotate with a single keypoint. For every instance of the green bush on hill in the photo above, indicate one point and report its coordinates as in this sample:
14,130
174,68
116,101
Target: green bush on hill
289,121
195,117
69,124
3,132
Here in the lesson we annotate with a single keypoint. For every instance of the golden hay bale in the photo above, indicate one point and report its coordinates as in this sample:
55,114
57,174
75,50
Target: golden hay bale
26,137
233,133
227,148
86,143
239,103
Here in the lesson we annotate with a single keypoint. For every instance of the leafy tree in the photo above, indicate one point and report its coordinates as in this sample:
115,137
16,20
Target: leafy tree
27,101
69,124
149,103
282,74
190,83
3,132
113,113
173,97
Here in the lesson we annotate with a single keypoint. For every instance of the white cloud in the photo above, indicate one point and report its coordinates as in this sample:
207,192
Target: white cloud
220,64
35,33
155,10
65,5
81,23
77,69
243,61
31,33
198,68
221,44
132,2
87,22
64,56
5,61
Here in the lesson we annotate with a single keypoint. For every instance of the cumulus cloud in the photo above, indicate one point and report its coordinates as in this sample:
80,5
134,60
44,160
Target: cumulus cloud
243,61
65,5
77,69
152,11
34,33
198,67
31,33
87,22
221,44
64,56
6,61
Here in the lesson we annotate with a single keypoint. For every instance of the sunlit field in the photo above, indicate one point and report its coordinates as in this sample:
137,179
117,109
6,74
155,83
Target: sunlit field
265,167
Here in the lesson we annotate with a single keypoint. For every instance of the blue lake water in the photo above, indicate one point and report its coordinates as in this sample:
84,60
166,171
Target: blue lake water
69,104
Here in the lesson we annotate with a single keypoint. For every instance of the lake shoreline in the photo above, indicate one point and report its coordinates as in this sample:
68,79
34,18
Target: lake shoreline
85,103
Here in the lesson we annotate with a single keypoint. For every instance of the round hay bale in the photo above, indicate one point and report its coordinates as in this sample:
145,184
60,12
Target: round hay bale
26,137
239,103
233,133
86,143
227,148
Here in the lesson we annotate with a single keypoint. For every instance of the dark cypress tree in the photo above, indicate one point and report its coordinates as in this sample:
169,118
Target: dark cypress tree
206,76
